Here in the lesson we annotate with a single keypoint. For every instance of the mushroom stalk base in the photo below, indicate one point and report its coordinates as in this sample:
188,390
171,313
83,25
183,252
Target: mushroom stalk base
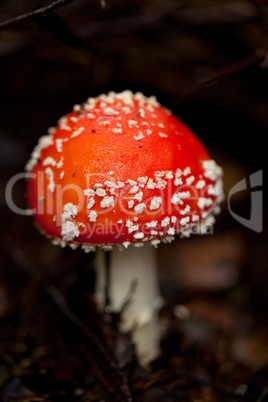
133,281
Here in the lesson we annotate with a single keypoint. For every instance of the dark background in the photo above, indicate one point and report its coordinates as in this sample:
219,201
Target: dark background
207,62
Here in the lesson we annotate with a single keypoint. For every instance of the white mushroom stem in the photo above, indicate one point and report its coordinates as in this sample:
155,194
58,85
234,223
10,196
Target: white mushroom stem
133,265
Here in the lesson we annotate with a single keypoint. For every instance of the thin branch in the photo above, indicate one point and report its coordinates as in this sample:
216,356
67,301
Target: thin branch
32,397
107,257
101,376
129,297
40,12
221,14
61,302
259,55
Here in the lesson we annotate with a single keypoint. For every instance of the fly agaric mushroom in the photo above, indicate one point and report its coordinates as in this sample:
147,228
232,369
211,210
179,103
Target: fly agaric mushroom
121,170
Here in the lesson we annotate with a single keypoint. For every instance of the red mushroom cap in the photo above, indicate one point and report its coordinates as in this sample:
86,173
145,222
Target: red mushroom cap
121,169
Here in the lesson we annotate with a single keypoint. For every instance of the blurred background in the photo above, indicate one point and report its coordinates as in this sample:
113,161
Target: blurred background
205,60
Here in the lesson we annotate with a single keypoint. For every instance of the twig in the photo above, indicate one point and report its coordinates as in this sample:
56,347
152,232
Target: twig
40,12
107,257
61,302
229,13
97,371
129,296
257,56
173,378
32,397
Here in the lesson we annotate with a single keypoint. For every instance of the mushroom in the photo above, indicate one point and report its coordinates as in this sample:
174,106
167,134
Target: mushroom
121,173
